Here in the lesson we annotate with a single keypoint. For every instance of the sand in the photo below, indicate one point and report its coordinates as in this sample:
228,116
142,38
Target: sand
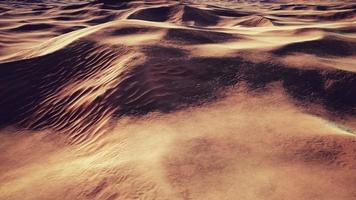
177,100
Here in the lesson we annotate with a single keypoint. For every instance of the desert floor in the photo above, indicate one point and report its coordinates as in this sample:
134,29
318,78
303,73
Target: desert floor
206,100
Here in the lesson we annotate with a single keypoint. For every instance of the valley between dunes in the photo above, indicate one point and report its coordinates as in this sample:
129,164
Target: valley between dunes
215,100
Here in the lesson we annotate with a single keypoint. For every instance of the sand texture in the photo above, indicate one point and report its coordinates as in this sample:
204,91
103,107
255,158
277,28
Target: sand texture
206,100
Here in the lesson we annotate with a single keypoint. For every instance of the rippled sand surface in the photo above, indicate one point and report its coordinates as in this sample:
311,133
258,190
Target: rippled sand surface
110,99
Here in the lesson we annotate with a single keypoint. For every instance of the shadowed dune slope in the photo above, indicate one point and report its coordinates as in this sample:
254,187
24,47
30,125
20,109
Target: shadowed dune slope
132,58
326,46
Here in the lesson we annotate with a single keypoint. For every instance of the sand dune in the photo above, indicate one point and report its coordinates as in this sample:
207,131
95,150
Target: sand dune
114,99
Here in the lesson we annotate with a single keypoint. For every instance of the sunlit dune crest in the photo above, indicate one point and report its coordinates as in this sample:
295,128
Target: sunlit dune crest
110,99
